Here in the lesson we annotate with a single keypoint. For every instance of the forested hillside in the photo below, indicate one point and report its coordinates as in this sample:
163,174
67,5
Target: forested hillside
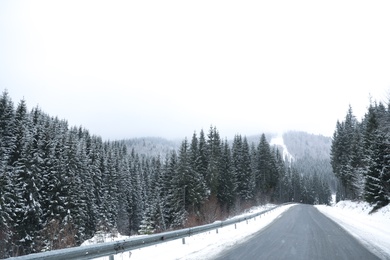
311,155
152,146
301,144
361,156
59,184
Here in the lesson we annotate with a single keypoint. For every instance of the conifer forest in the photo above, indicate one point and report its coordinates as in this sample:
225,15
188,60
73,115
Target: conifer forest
60,185
360,156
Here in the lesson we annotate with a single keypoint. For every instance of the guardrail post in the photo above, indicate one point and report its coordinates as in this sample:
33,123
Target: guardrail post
217,230
111,257
183,240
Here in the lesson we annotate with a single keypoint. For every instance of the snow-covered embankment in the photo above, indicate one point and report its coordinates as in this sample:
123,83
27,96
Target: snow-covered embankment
373,230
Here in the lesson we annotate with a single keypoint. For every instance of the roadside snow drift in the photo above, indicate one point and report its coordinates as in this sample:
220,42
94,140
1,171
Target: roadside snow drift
205,245
372,230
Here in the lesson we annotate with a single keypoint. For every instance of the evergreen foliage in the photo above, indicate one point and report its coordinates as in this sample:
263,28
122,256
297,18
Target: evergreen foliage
360,156
60,185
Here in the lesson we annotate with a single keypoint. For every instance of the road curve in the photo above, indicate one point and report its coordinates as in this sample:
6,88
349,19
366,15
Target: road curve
302,232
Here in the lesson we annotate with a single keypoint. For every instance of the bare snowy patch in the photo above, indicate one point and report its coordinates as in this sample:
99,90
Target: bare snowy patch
278,141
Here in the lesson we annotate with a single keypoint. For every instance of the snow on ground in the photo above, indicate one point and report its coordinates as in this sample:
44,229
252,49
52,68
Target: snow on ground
205,245
278,140
373,230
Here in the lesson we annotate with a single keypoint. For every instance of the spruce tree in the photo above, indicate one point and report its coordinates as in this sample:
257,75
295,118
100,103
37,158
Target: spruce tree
372,150
135,207
182,182
198,189
345,157
297,188
203,159
75,200
376,149
242,168
26,165
7,126
227,180
282,184
6,185
214,160
264,167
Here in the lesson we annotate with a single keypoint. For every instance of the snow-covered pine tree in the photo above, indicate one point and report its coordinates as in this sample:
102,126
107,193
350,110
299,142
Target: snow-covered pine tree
282,184
371,151
236,166
6,184
175,194
125,199
147,225
376,149
95,155
264,171
135,201
75,197
197,189
26,165
247,173
357,163
214,160
7,126
297,186
153,216
227,181
344,145
242,168
203,159
92,183
190,183
275,172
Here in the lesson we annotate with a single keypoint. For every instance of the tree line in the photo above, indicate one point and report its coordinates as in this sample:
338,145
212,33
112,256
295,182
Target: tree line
360,156
59,185
311,155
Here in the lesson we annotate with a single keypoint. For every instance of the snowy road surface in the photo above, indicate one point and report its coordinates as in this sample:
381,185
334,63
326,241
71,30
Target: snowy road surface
302,232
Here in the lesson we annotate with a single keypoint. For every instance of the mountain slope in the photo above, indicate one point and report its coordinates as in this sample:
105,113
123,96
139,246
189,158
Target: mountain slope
152,146
302,144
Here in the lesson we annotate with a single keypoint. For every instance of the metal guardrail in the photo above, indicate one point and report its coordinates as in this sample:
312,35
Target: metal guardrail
112,248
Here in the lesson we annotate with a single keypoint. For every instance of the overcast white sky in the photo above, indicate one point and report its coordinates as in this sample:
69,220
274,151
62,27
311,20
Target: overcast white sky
127,69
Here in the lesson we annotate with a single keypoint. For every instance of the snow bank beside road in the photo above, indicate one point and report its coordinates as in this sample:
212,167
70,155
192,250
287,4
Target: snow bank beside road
373,230
205,245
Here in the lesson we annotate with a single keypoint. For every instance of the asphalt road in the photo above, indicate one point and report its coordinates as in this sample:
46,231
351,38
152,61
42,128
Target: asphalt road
302,232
